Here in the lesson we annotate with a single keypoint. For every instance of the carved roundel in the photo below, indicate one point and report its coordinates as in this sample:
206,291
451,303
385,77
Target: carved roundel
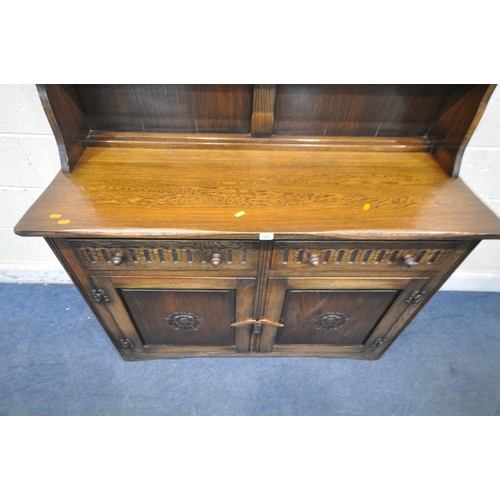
184,321
331,321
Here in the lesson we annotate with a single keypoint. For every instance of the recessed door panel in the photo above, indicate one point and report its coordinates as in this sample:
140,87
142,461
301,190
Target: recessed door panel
175,317
332,317
182,318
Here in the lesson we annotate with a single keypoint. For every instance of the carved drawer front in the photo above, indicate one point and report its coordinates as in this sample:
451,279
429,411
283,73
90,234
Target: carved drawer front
172,255
317,257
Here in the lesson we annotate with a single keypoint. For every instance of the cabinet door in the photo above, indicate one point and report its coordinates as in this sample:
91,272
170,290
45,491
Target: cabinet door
334,316
179,316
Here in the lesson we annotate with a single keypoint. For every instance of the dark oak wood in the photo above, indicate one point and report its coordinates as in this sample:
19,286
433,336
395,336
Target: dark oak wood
63,109
368,351
83,283
147,311
386,110
432,286
111,107
163,255
439,118
168,108
452,131
227,141
363,110
293,258
302,109
263,110
331,317
264,220
224,109
363,310
187,318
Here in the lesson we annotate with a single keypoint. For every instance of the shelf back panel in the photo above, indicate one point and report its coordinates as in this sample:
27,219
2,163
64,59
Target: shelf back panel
363,110
168,108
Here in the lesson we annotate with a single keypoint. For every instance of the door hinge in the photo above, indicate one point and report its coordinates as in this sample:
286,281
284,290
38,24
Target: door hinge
379,343
415,297
127,343
99,295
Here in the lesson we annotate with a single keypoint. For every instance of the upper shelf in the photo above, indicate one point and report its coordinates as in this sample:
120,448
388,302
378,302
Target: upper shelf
439,119
239,193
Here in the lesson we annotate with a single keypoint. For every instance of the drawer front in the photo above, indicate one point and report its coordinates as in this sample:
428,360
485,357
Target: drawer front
161,255
326,257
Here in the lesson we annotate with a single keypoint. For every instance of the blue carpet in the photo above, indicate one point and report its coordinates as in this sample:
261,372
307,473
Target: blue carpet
55,359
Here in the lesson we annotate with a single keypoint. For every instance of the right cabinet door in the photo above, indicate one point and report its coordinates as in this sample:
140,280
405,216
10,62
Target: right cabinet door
337,316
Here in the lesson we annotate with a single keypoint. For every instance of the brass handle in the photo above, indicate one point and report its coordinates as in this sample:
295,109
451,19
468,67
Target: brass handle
409,260
314,259
117,258
216,259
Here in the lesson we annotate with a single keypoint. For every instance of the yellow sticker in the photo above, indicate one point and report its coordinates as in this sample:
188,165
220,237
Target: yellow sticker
67,221
239,214
55,216
367,207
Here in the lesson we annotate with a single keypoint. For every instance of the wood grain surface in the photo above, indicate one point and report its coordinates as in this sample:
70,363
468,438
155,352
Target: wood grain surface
120,192
307,316
168,108
101,138
451,132
263,110
435,118
159,222
159,315
367,110
63,109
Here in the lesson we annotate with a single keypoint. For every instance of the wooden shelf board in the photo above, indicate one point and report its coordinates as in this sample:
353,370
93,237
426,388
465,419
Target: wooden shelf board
295,193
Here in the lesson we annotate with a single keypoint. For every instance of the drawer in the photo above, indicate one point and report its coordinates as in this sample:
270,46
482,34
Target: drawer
317,257
172,255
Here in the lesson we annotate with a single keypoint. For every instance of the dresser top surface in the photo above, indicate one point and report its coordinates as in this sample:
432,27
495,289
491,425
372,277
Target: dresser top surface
227,193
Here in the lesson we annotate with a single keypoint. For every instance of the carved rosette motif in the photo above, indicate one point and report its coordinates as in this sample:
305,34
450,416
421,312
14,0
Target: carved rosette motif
184,321
331,321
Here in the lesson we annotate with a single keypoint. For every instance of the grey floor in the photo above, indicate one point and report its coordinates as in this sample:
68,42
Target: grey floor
55,359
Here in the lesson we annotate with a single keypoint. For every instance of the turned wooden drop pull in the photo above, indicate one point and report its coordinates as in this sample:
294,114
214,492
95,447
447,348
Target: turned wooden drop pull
216,259
314,259
117,258
409,260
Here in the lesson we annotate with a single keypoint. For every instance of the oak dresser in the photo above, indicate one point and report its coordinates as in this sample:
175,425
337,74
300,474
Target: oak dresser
260,220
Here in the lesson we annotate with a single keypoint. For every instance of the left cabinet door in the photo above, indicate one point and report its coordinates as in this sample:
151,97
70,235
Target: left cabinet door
176,317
